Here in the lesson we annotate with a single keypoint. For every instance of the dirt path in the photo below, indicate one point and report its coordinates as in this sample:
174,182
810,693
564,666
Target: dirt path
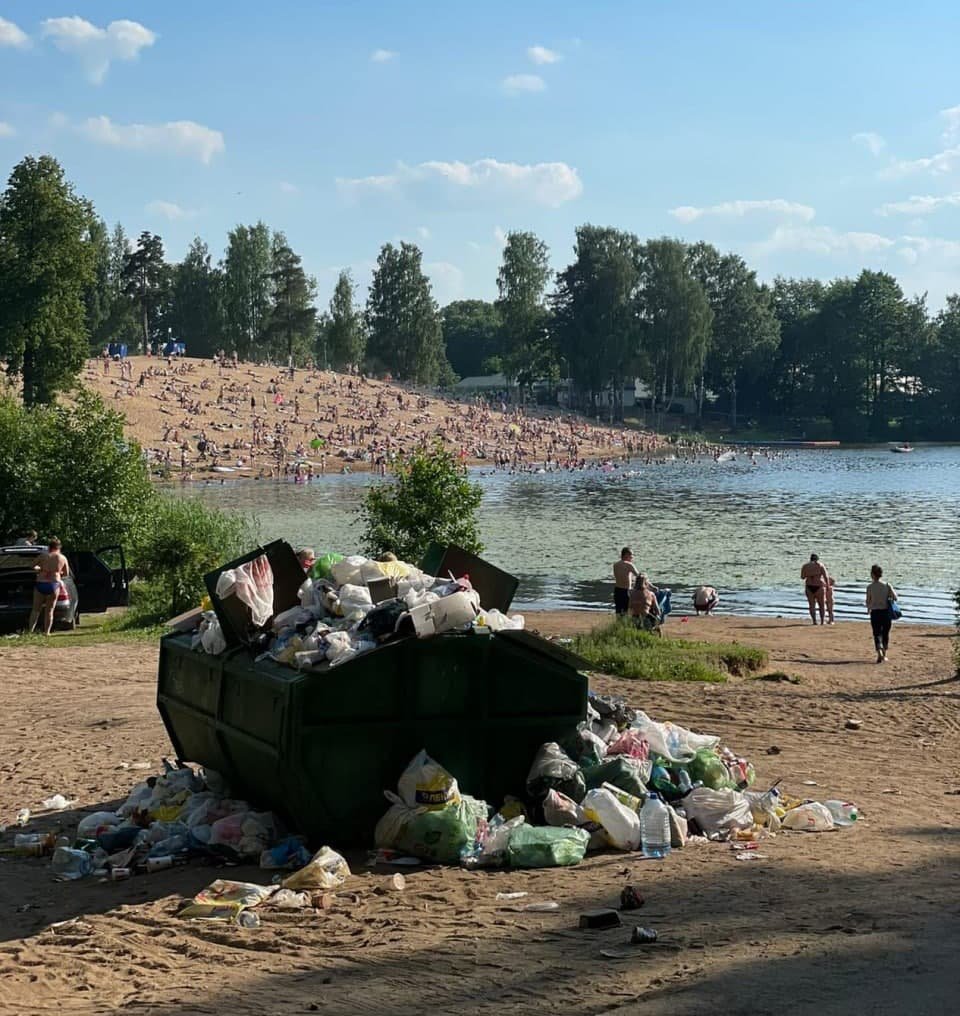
867,920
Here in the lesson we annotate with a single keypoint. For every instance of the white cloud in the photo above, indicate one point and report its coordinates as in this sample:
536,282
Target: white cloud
514,84
58,120
179,137
500,235
951,129
938,164
95,47
738,209
423,232
446,280
873,143
541,55
168,210
822,240
382,56
917,246
543,183
13,35
288,188
6,131
920,204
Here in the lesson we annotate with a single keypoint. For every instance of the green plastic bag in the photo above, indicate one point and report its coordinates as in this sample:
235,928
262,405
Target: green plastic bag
629,774
440,835
707,767
546,846
323,566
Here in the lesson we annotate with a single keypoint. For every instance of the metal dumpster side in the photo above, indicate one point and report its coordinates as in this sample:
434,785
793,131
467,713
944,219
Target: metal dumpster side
320,746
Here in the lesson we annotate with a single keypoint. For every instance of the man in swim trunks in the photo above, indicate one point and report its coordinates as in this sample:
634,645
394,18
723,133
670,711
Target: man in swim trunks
624,575
51,569
815,579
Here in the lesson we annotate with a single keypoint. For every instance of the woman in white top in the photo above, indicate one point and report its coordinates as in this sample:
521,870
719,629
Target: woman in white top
879,595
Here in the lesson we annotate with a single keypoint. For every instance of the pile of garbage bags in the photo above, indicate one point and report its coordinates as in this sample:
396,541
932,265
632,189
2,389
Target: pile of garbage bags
348,605
587,794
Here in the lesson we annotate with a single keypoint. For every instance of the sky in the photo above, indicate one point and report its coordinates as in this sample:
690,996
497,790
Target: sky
813,138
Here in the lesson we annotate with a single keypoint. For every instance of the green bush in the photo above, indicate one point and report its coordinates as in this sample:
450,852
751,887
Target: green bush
621,649
69,471
182,540
430,499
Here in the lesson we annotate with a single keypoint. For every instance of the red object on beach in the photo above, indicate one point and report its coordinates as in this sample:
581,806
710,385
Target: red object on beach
683,620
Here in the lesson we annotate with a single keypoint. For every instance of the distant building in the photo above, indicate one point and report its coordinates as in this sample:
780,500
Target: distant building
483,383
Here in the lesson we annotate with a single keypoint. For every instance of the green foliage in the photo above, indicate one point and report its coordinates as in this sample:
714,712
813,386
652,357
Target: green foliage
471,334
147,283
521,285
346,340
47,264
182,540
622,649
246,268
69,471
430,499
405,335
290,327
196,312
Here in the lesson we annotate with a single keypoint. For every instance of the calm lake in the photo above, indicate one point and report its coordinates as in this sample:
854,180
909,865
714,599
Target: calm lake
745,528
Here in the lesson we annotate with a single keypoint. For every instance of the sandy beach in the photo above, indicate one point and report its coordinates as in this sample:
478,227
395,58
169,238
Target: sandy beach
863,920
246,411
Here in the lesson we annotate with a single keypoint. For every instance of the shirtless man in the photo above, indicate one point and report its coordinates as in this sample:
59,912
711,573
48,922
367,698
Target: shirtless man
815,579
51,569
624,575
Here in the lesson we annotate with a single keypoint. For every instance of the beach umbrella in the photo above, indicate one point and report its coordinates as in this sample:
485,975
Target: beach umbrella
317,442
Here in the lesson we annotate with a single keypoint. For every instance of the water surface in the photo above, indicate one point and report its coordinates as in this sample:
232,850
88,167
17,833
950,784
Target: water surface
745,528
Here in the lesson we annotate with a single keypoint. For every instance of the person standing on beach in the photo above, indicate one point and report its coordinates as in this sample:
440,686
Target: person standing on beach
624,576
815,579
879,595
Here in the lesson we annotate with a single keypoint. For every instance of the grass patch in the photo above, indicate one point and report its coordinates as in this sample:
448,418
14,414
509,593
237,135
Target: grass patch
619,648
92,632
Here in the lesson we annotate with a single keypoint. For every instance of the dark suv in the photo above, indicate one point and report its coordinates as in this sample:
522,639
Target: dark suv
97,580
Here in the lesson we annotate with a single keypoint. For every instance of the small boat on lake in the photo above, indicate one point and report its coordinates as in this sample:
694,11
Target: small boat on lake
902,449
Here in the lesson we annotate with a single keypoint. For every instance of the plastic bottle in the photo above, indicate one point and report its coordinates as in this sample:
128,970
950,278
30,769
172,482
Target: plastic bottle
655,827
71,864
620,823
844,812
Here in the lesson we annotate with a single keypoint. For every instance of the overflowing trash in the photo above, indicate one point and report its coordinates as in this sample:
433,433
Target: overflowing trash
346,606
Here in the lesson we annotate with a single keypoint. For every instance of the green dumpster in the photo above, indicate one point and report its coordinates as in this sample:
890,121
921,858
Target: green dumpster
320,746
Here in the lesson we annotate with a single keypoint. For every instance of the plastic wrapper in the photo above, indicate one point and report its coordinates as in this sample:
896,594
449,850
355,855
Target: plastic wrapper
707,767
223,900
560,810
546,847
672,742
630,743
442,835
90,826
426,784
325,870
718,811
252,584
629,774
553,769
813,817
490,846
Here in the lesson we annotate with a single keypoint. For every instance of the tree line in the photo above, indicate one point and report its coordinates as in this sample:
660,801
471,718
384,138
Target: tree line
851,358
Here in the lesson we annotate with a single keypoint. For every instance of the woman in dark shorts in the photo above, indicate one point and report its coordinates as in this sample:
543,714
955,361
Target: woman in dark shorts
879,595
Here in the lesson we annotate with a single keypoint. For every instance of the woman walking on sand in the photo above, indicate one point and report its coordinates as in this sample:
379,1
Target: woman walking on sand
879,596
815,578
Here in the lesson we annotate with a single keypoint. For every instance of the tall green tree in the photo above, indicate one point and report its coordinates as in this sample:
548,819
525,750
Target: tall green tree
146,278
345,336
471,335
521,303
247,267
47,264
595,328
403,322
196,312
675,318
789,384
941,373
291,327
745,331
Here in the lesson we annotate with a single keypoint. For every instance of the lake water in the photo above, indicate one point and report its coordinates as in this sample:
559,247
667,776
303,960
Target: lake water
743,528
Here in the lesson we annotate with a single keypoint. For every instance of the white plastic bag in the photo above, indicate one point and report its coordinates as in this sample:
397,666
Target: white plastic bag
810,818
90,825
326,870
347,571
252,584
426,784
455,611
675,743
621,824
496,621
717,811
211,635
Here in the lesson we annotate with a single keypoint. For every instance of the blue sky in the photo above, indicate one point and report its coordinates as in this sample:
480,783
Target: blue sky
813,138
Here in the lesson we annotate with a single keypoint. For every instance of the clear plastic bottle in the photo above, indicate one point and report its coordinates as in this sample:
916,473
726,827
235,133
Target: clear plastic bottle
844,812
655,827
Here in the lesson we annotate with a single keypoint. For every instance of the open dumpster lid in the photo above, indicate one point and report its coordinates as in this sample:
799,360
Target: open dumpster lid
232,613
496,587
